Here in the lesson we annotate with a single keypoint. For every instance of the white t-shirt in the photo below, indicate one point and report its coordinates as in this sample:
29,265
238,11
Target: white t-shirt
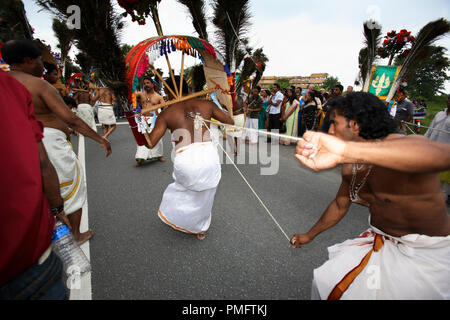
277,97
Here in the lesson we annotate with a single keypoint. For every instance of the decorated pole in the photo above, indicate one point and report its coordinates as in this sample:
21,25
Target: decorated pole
144,55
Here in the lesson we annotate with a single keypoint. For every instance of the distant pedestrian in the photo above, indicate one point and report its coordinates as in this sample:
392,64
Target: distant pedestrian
290,117
253,109
405,109
309,113
440,131
275,110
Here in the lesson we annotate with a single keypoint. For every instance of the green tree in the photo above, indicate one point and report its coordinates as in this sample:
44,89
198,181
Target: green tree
125,49
65,38
13,21
70,69
427,77
330,82
97,39
284,83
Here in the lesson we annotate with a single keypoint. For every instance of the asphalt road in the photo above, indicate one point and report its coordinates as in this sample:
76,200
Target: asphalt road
245,256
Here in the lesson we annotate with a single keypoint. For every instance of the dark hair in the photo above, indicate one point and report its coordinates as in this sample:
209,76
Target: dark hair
15,51
257,88
267,92
277,85
177,81
70,101
403,90
50,67
314,94
147,78
340,87
293,97
368,111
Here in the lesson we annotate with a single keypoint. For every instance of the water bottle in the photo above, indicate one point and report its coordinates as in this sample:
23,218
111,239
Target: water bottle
65,246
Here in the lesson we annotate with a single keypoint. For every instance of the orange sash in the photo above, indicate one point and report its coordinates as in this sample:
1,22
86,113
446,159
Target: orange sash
345,283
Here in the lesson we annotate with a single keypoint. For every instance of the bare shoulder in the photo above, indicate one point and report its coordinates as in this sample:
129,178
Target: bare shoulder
42,84
204,103
31,82
408,137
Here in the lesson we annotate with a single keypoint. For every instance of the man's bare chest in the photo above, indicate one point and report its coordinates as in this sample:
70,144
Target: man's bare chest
150,100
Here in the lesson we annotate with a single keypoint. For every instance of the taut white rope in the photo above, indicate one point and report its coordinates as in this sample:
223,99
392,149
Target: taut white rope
246,181
265,133
422,126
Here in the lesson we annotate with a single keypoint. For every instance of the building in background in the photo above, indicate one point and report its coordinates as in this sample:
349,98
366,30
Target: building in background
316,79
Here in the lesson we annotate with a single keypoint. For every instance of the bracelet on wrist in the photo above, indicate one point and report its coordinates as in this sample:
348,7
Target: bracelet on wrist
57,210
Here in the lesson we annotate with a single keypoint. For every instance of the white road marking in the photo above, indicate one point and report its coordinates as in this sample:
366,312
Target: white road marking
85,291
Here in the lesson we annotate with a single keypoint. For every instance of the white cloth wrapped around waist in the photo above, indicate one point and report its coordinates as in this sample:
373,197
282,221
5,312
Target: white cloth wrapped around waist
86,113
239,122
187,203
68,168
144,153
197,166
106,114
412,267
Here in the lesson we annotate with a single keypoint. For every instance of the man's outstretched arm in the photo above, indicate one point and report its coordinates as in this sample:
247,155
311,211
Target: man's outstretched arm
411,154
56,104
332,215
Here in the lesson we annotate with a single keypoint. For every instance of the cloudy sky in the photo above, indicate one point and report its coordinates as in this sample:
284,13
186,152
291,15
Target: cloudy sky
299,37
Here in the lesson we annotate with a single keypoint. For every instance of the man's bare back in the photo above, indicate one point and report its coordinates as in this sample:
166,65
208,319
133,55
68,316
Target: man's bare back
106,96
82,97
178,116
40,91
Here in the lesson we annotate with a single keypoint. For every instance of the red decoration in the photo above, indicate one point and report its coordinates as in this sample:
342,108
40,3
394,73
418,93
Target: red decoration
396,44
139,10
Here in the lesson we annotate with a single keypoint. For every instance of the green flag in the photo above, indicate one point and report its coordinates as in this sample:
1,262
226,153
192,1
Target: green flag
381,80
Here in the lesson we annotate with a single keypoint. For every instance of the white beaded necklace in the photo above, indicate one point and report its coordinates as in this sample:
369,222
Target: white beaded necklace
354,190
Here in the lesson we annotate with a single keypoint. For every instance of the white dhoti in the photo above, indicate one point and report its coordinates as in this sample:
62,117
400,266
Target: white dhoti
86,113
253,124
187,203
106,114
144,153
239,122
377,266
68,168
